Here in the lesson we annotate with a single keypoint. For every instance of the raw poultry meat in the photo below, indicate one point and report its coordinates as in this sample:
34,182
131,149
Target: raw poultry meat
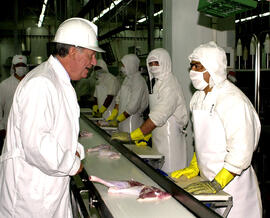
118,184
108,153
98,148
102,123
86,134
104,151
151,193
131,187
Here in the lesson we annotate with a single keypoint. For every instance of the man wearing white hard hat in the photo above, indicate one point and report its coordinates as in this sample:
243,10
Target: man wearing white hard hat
41,150
7,90
226,131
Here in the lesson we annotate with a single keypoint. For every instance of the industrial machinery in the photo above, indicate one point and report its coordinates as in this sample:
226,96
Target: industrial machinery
225,8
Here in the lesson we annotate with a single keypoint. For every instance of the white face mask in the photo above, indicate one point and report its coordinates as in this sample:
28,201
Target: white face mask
123,70
155,70
20,71
197,79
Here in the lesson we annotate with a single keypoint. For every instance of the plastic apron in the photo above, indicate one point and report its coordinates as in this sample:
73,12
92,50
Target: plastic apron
134,121
101,91
210,145
170,141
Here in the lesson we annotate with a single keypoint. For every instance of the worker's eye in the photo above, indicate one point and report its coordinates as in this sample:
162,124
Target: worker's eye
196,65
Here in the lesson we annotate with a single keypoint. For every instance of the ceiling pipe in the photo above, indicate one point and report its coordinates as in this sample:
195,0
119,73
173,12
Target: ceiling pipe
86,9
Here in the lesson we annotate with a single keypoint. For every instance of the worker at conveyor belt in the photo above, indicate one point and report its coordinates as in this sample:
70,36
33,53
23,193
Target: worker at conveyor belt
132,99
107,87
41,150
168,115
227,130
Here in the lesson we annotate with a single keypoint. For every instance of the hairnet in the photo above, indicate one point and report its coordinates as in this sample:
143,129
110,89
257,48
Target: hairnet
162,56
17,59
213,58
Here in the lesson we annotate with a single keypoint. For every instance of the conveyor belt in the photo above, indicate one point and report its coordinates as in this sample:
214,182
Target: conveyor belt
187,200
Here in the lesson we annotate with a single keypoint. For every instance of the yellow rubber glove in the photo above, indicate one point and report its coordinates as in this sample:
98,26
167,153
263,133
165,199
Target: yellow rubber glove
191,171
121,117
224,177
121,136
137,135
102,109
144,141
113,115
94,109
206,187
113,123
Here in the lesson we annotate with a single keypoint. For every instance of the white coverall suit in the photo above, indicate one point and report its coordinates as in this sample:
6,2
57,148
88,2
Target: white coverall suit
227,130
7,90
39,154
133,95
168,112
107,84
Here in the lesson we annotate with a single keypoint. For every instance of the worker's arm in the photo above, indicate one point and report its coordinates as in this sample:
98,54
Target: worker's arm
108,101
147,127
106,104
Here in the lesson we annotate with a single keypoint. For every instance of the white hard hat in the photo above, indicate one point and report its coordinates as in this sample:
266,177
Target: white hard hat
78,32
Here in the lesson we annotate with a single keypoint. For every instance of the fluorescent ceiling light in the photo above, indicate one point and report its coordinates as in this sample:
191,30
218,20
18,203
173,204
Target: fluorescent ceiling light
252,17
155,14
113,4
42,14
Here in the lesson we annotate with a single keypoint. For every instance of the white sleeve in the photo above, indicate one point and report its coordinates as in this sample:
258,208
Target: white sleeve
137,90
95,93
242,129
2,92
37,102
112,86
166,105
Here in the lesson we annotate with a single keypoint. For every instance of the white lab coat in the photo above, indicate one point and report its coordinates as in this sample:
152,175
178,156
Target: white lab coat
133,95
42,138
7,90
227,129
168,112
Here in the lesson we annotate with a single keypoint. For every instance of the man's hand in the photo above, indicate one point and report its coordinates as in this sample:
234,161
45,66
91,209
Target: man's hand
81,166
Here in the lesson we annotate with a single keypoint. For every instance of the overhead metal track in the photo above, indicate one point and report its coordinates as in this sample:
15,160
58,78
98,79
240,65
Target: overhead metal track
86,9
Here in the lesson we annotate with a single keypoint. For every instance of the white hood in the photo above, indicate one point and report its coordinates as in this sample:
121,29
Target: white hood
131,63
101,63
213,58
164,60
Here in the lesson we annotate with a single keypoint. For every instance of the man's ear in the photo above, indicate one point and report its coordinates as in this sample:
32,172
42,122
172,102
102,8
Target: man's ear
72,51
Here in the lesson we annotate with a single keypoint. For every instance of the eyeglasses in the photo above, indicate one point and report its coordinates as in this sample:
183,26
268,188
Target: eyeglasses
198,66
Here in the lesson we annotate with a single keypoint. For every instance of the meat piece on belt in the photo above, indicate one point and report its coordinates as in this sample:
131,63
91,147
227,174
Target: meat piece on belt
104,151
98,148
131,187
86,134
